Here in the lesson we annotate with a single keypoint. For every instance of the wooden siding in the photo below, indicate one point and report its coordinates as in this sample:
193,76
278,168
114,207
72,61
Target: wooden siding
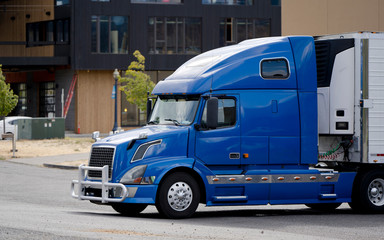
94,106
15,30
320,17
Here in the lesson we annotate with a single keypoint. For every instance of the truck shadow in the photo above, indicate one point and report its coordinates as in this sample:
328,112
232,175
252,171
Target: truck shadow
245,213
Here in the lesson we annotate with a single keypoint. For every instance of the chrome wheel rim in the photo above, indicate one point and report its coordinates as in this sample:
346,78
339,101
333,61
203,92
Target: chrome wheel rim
376,192
180,196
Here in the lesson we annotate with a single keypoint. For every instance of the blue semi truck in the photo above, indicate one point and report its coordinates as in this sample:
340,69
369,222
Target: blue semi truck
280,120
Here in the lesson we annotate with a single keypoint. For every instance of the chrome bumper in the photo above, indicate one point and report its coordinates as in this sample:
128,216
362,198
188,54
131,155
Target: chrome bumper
104,185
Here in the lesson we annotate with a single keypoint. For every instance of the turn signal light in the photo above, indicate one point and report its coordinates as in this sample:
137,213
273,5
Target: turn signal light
137,180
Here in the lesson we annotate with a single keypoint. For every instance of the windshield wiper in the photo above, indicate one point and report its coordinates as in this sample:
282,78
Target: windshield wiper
152,122
172,120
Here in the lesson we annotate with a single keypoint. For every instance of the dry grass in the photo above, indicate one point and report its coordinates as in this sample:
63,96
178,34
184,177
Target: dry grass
46,147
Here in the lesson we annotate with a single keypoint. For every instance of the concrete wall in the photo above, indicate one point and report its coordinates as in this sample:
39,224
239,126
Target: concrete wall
320,17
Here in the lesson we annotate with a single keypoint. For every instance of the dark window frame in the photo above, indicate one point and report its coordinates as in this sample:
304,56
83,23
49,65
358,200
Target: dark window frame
48,33
155,43
226,2
98,39
170,2
229,28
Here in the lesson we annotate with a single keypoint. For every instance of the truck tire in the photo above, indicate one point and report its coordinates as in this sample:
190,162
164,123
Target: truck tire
323,206
178,196
368,192
128,209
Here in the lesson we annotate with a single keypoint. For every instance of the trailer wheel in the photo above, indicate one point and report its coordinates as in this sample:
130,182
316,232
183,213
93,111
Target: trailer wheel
368,194
323,206
178,196
128,209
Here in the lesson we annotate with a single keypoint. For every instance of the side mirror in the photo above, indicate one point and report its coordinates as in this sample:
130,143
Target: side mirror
212,112
149,109
96,136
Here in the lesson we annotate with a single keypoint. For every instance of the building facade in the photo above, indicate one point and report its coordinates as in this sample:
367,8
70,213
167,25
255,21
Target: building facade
51,44
322,17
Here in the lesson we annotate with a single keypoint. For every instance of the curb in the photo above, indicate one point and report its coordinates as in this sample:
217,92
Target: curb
60,166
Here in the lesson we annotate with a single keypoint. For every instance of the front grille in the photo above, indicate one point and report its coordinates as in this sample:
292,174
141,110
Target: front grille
101,156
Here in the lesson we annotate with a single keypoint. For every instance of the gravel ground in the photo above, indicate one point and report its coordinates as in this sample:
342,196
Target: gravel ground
46,147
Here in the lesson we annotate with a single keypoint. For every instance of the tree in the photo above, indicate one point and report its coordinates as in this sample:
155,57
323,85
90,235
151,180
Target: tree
8,100
136,83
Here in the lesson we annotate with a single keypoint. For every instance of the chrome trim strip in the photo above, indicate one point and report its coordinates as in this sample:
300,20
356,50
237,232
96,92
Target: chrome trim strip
231,197
275,178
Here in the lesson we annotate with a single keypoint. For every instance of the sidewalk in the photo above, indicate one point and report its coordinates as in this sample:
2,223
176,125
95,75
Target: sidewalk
65,161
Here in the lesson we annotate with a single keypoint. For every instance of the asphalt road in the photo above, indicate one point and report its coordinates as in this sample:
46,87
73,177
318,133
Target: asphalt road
35,203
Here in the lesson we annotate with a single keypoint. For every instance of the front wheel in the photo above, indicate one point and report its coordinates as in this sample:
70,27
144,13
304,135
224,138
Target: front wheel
178,196
368,192
128,209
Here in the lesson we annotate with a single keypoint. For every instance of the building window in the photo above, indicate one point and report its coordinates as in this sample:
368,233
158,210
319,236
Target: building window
109,34
20,89
47,99
158,1
276,2
131,115
171,35
228,2
235,30
48,33
62,31
62,2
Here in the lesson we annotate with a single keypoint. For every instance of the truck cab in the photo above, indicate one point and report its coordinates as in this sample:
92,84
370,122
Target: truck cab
233,126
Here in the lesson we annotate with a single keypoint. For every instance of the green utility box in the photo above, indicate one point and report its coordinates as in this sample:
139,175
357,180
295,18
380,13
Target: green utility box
41,128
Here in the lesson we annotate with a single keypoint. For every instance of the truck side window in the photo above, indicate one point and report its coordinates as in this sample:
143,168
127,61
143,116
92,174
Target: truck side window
274,69
227,113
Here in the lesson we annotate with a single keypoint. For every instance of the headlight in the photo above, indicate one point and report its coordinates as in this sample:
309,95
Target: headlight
134,176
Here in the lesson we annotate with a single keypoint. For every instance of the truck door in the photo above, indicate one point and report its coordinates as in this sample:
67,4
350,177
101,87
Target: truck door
220,146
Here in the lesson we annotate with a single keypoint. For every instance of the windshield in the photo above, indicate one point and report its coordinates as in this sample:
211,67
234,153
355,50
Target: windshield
177,110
